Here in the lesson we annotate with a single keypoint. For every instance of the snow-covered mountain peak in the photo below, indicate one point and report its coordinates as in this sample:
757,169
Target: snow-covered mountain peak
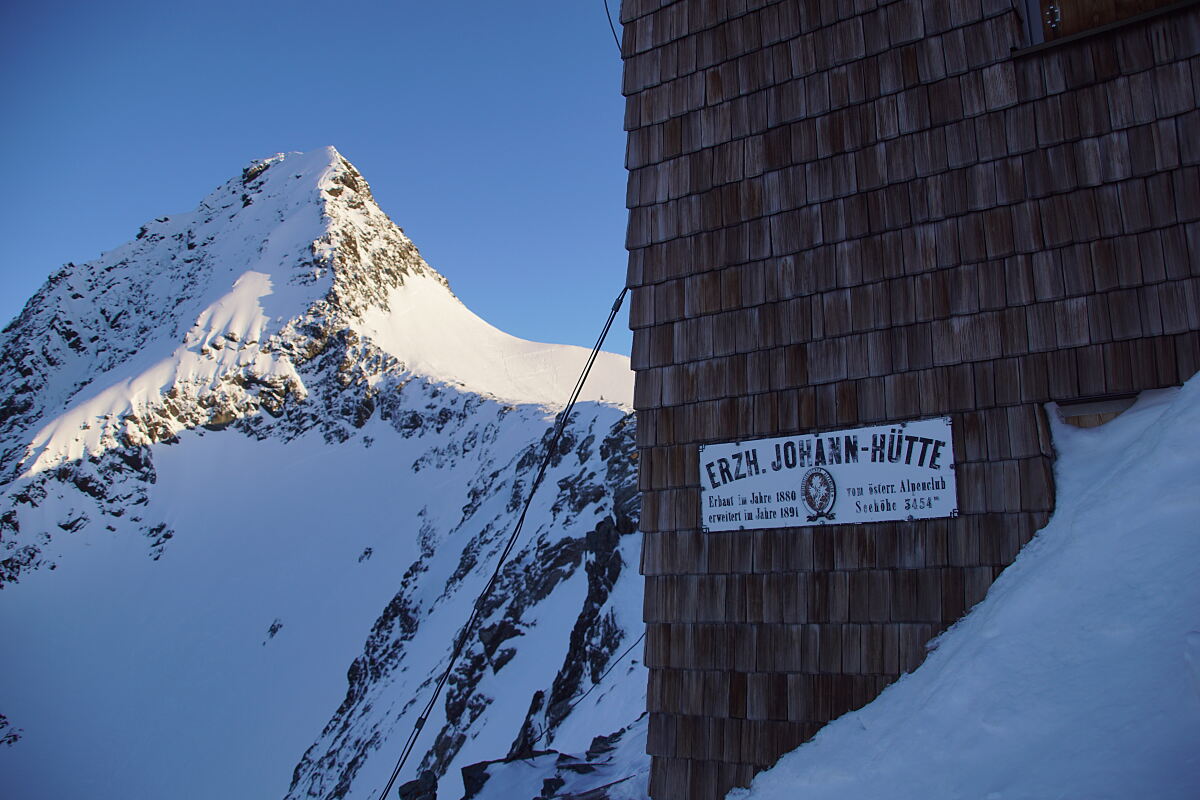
209,317
257,464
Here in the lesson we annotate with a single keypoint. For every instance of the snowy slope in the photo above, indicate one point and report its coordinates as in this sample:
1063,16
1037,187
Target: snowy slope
254,467
436,335
1079,675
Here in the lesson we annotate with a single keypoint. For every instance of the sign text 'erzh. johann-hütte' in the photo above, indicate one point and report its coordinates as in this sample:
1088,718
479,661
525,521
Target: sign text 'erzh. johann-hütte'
873,474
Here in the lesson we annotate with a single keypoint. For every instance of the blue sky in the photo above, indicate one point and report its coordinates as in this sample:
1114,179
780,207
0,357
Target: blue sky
492,133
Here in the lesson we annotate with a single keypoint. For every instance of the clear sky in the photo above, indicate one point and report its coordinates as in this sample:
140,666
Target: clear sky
491,132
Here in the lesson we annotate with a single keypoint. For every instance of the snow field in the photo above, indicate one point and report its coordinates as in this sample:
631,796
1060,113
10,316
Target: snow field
1077,676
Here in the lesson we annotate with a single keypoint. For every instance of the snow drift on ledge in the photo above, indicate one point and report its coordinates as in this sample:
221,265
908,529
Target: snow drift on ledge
1079,675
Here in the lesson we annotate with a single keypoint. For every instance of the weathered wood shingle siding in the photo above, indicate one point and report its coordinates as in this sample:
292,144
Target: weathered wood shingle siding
863,212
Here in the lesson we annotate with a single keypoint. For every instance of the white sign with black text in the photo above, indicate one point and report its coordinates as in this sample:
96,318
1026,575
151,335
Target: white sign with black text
900,471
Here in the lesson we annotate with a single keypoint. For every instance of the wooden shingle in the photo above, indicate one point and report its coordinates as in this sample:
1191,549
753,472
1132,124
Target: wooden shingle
830,229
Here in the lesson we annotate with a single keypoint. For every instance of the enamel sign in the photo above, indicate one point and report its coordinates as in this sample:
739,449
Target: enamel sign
902,471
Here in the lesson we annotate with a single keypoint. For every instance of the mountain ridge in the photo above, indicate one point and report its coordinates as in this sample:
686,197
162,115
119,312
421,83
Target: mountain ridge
248,435
311,276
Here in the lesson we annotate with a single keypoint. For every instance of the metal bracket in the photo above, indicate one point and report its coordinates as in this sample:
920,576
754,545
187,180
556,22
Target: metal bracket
1053,16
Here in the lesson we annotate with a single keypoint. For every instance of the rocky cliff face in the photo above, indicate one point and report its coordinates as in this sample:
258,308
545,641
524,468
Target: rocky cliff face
256,464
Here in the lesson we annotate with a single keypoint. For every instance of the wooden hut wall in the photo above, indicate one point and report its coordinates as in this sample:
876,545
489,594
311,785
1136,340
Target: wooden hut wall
864,212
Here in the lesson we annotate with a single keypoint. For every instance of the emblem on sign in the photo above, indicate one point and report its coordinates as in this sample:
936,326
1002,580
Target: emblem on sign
819,491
